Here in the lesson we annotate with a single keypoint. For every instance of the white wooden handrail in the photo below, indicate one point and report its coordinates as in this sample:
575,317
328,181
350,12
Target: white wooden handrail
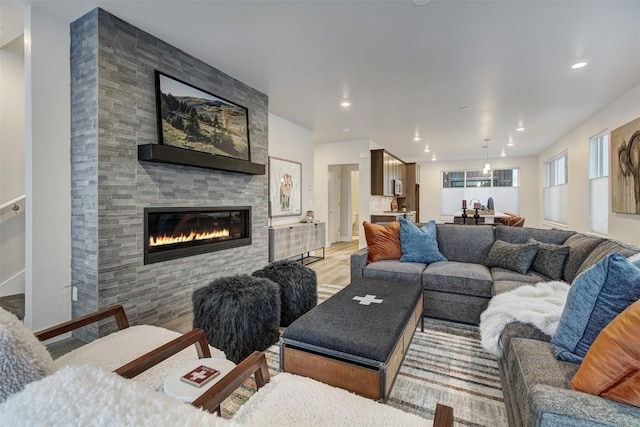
12,202
12,277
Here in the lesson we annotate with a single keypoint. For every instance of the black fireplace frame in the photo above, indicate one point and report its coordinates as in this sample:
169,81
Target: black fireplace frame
151,258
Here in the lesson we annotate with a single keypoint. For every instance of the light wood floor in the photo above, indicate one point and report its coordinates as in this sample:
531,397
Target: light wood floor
333,269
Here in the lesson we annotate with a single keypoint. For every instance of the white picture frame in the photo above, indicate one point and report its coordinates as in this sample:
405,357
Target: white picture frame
285,187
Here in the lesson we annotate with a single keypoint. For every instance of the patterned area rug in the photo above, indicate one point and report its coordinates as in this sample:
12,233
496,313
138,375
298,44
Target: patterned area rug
445,364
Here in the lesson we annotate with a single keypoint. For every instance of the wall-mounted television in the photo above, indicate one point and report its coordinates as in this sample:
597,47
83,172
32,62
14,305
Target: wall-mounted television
194,119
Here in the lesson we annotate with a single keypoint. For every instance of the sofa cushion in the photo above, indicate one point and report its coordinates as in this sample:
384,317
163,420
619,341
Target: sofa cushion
580,247
394,270
516,257
502,286
502,274
521,330
611,367
555,407
419,244
464,243
521,235
530,363
458,278
549,259
23,358
594,300
383,241
604,249
292,400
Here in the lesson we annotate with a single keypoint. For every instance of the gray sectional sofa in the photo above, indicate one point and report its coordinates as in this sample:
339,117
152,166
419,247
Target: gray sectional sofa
536,386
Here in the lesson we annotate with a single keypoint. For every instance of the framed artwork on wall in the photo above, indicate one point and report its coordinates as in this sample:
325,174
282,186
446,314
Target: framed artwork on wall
625,168
285,187
193,119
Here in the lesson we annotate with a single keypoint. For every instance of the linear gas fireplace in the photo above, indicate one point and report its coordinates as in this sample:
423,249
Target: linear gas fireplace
171,233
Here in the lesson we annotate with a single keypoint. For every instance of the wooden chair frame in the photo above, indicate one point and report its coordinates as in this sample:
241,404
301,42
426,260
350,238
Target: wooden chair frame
195,337
254,365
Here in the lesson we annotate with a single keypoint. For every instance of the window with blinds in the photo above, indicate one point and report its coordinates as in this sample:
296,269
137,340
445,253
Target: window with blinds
555,191
503,185
599,183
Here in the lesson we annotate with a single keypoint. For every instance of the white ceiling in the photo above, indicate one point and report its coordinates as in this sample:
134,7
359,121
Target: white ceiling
410,69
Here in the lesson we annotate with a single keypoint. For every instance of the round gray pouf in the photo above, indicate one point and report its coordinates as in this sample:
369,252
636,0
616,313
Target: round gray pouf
298,288
239,314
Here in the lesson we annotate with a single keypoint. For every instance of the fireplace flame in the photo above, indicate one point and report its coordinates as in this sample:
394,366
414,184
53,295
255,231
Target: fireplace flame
169,240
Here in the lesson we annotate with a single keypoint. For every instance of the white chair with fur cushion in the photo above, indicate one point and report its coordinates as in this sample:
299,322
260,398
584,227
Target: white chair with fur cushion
23,358
86,395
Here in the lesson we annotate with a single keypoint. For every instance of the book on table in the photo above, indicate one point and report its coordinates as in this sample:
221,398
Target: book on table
199,376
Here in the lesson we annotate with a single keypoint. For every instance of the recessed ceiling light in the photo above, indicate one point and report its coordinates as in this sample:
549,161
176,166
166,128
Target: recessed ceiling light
345,103
578,65
346,130
520,128
433,158
427,149
503,154
510,143
416,138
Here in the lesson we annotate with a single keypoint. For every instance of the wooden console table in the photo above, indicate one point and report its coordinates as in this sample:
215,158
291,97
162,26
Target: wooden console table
296,240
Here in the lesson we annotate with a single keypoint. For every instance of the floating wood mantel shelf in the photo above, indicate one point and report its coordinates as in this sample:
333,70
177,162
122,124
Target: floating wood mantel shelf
179,156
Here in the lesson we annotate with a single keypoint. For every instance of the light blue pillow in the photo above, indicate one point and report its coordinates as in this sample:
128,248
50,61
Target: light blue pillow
419,244
596,297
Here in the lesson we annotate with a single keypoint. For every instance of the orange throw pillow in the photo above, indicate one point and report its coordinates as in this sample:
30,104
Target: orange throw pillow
611,367
383,241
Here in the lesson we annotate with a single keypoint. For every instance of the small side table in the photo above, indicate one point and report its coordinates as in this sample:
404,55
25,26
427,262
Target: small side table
184,392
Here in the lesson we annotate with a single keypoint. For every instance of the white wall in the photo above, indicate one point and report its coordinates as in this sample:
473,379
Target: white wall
48,170
343,153
431,183
346,209
625,227
12,166
292,142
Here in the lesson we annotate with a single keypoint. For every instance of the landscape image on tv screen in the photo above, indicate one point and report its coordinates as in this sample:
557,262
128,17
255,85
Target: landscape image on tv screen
197,120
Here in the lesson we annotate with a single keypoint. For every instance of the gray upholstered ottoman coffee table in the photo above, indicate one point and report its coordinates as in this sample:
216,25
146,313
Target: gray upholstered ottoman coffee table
357,339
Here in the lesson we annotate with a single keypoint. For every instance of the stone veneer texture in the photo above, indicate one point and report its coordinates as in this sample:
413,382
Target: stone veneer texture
113,111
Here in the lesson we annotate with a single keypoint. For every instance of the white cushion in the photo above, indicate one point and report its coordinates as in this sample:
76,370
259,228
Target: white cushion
90,396
119,348
291,400
23,358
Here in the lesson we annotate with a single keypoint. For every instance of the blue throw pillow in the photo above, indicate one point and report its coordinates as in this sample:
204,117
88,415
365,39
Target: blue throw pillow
419,244
596,297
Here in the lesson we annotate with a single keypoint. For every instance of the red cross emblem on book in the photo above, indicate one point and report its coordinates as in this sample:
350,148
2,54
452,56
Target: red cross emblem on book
200,376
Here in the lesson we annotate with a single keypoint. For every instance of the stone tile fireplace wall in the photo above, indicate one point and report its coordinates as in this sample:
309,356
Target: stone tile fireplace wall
113,111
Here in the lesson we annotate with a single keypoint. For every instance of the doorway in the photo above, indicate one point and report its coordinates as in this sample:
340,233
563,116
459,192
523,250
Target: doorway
343,203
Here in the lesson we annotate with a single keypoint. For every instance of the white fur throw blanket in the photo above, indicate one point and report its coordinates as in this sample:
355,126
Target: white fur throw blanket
540,305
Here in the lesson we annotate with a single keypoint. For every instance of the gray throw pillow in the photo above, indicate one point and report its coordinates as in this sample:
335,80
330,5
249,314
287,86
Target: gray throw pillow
580,248
516,257
549,259
23,358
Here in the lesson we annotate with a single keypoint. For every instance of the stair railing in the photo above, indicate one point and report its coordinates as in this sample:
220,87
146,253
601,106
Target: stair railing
13,204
